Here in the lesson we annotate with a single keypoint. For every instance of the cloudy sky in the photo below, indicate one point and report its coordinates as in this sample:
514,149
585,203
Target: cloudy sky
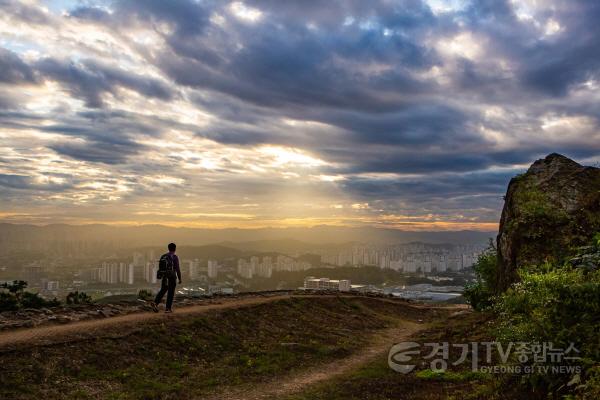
405,114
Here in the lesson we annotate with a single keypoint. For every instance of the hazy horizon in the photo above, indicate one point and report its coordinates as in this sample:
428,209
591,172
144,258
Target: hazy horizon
177,226
12,235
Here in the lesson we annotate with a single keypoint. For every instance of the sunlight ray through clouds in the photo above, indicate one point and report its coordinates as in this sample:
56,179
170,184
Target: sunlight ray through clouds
364,113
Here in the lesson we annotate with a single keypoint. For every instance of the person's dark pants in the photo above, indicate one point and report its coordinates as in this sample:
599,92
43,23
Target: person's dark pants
169,281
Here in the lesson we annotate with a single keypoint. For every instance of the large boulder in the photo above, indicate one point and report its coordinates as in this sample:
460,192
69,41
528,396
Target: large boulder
548,211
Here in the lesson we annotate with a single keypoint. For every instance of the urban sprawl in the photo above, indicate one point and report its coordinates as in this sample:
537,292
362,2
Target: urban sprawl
223,274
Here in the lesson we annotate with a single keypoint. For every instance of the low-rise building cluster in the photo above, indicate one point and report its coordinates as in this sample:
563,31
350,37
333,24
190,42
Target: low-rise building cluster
312,283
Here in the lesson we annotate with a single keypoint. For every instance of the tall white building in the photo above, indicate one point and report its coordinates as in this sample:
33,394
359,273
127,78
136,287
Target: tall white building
454,263
138,259
245,269
264,270
130,274
194,269
254,264
212,270
123,272
384,261
151,256
150,271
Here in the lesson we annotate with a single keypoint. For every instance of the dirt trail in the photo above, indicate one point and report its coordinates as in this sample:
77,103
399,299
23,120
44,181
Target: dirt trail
380,345
82,330
75,331
119,326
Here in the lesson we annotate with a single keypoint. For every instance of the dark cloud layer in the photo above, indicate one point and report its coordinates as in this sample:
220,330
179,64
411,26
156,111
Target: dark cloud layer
461,98
90,81
14,70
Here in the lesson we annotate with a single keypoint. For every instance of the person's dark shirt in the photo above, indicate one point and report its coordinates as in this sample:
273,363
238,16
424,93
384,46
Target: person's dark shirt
175,260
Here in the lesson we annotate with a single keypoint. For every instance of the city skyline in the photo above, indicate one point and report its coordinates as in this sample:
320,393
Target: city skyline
136,268
410,115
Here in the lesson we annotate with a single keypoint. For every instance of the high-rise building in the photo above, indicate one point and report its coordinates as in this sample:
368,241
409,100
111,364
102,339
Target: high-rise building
439,262
254,264
123,272
126,273
151,256
138,259
454,263
468,260
212,270
245,269
150,271
94,274
194,266
113,275
268,261
384,261
33,274
264,270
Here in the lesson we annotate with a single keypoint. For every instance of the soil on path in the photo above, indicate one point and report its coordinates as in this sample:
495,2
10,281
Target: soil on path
82,330
379,346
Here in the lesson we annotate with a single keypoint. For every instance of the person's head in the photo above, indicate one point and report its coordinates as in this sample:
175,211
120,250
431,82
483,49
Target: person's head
172,247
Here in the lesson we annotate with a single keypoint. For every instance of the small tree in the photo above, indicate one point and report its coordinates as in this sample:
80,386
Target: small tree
17,297
34,300
77,297
16,288
8,302
480,293
145,295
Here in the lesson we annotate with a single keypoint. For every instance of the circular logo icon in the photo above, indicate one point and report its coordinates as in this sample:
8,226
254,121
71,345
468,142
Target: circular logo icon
400,356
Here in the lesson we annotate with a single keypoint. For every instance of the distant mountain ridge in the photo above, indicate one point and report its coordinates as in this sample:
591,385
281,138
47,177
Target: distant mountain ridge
159,235
290,246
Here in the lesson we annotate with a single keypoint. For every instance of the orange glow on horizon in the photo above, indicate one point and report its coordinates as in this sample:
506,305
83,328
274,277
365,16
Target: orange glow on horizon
413,226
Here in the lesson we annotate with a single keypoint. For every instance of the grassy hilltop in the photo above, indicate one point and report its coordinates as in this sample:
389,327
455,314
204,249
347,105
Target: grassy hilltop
190,356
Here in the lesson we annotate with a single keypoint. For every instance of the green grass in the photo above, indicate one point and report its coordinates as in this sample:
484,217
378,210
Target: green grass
187,357
377,381
451,376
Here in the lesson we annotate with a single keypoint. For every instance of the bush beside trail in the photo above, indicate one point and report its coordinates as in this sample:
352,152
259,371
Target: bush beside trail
14,297
556,303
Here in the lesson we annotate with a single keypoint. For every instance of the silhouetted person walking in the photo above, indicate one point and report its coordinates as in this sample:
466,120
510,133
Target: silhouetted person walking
168,271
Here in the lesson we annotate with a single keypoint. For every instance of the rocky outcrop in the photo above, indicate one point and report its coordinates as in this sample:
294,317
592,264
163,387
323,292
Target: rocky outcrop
548,211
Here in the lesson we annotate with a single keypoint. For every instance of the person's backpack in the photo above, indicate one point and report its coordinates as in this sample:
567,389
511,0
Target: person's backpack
165,264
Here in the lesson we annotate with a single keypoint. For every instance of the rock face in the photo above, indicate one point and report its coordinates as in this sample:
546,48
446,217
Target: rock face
549,210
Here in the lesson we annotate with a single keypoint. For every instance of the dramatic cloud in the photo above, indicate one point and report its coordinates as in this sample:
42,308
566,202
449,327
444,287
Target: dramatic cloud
90,81
264,112
14,70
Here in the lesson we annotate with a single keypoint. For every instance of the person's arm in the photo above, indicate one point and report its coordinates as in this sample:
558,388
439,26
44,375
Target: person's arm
177,269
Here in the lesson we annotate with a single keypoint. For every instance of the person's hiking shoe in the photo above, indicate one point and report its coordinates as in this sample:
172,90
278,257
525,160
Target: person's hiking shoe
168,311
154,306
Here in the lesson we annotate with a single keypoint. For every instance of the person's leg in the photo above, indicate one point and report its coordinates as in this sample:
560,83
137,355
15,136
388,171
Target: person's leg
171,292
162,291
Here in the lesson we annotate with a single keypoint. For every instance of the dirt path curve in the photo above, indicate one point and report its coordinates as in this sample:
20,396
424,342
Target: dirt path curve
82,330
380,345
